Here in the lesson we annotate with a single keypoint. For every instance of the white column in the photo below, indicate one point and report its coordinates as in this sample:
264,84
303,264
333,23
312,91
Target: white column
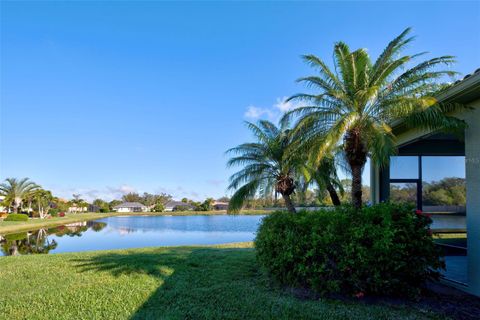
472,173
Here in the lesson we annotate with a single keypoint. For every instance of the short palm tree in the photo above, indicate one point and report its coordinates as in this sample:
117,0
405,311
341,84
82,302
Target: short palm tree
15,191
359,101
325,177
266,166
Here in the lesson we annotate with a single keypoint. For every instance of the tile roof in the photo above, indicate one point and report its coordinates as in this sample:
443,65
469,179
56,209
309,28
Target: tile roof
130,205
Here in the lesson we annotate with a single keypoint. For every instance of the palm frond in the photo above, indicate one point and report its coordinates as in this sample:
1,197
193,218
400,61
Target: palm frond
242,194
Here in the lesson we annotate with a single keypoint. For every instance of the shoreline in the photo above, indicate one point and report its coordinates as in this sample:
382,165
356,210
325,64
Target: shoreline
9,227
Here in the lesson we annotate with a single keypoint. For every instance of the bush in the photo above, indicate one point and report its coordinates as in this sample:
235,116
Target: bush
54,212
182,208
61,214
382,250
16,236
158,208
16,217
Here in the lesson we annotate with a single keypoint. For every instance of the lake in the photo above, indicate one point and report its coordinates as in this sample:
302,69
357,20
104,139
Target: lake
124,232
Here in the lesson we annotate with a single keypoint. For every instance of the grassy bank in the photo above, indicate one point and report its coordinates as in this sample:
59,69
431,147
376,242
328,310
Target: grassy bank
218,282
31,224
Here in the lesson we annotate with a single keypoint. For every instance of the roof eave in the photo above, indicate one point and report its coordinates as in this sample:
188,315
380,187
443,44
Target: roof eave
464,91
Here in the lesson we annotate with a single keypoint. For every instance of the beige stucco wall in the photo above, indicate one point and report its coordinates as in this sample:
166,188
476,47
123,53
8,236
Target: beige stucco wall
472,173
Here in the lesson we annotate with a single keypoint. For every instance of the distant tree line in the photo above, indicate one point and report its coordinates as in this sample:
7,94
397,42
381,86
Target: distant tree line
25,196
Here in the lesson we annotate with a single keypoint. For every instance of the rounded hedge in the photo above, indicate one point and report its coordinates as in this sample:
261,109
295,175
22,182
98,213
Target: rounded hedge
16,217
385,249
54,212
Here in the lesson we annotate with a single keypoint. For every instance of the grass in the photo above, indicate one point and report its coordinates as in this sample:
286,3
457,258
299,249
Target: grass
216,282
31,224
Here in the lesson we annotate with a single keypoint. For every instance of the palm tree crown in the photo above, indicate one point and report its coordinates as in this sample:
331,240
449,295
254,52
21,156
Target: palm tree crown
359,101
266,167
15,191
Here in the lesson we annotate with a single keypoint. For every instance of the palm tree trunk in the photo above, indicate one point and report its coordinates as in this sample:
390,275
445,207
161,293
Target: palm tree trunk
333,194
356,154
13,250
289,203
357,186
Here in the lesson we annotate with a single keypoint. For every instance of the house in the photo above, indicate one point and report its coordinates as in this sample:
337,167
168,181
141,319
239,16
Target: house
93,208
178,206
77,209
421,152
220,205
3,208
130,207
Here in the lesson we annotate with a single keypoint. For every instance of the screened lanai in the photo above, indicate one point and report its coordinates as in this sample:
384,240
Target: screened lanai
440,174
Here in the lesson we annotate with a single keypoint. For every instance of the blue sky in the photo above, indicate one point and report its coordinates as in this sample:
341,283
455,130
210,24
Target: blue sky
101,98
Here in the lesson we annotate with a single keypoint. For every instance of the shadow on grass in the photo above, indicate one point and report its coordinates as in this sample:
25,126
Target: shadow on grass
197,282
154,263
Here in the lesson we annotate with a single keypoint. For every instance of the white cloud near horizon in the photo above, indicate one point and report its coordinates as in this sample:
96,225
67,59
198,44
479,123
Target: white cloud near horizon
107,194
272,113
110,193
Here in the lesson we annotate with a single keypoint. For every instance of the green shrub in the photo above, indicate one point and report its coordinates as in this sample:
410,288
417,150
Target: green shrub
159,207
16,217
183,208
385,249
16,236
54,212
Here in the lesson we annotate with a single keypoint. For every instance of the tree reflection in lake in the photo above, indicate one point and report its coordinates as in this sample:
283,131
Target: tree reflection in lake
38,242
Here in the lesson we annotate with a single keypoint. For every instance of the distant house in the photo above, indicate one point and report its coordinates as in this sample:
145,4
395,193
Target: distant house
178,205
220,205
130,207
3,208
93,208
77,209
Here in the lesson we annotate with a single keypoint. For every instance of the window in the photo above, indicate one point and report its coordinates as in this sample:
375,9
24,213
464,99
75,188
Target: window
404,167
405,193
405,180
443,180
433,183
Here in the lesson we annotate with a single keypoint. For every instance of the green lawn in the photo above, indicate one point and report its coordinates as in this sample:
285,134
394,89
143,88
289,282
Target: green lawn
220,282
31,224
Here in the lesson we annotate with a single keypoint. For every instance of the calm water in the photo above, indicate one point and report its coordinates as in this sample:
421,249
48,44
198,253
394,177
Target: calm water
133,232
137,231
449,222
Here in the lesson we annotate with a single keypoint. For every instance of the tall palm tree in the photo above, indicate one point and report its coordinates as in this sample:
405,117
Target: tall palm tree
15,191
359,100
266,166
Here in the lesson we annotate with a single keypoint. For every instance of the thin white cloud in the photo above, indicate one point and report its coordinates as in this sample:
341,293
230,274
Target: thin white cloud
110,193
283,105
216,182
122,190
179,193
107,194
257,113
273,113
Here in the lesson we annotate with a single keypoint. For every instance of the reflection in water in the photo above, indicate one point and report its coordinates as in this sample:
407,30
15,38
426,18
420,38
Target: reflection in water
138,231
38,241
145,231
